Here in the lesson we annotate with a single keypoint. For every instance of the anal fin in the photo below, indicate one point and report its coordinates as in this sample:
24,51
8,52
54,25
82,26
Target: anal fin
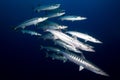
81,68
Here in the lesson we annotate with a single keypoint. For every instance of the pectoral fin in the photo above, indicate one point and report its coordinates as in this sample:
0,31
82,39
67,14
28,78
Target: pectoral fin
81,68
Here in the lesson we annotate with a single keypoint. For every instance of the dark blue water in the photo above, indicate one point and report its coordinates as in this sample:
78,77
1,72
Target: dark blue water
21,58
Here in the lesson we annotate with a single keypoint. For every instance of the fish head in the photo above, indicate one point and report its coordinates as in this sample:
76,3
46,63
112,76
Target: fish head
97,41
48,30
90,49
51,31
101,72
42,19
55,6
81,18
94,40
61,13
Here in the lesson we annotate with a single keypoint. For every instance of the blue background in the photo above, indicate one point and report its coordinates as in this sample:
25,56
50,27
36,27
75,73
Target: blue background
22,59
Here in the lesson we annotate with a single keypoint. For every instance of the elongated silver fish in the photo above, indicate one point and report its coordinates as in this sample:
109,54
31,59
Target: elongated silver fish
83,63
72,18
67,46
56,56
47,7
71,41
55,14
51,25
50,49
33,21
31,32
48,36
86,37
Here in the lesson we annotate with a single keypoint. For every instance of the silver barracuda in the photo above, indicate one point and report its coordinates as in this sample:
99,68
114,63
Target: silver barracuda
72,18
71,41
48,36
50,49
31,32
33,21
83,63
86,37
47,7
67,46
51,25
55,14
55,56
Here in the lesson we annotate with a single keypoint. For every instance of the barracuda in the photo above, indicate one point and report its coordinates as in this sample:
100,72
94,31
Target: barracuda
31,32
83,36
47,7
51,25
83,63
72,18
71,41
57,57
50,49
67,46
33,21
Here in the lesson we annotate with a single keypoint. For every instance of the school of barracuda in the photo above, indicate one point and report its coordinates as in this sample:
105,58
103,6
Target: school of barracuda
67,46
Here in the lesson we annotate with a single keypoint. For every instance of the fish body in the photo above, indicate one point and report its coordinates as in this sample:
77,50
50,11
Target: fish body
47,7
31,32
67,46
56,56
86,37
50,49
33,21
51,25
48,36
71,41
83,63
72,18
55,14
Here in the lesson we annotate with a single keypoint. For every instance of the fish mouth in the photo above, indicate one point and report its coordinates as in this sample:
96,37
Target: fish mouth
104,74
101,72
